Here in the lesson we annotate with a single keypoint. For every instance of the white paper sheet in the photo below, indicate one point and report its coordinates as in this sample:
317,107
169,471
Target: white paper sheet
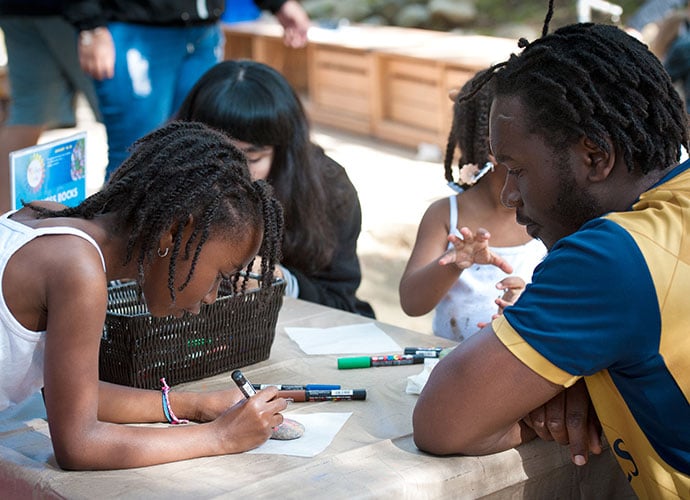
364,338
319,431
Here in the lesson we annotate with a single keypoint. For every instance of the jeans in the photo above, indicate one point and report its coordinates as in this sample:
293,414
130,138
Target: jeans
155,68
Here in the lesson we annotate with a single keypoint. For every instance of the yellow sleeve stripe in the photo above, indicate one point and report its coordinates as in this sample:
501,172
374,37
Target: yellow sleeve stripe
529,356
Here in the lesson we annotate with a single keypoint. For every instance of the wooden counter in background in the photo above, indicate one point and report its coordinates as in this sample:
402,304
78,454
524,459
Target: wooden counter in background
386,82
344,75
414,83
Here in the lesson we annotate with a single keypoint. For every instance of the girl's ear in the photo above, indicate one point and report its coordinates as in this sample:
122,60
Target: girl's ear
165,244
600,163
166,241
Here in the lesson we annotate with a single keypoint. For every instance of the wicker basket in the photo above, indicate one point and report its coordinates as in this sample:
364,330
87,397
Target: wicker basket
137,349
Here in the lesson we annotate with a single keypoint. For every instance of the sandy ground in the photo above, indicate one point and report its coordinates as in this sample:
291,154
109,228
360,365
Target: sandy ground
394,189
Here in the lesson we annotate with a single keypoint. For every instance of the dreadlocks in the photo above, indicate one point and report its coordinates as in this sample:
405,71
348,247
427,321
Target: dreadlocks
470,128
180,170
595,81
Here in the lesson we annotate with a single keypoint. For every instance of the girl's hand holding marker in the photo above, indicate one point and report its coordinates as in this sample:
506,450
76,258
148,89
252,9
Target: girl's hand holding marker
286,428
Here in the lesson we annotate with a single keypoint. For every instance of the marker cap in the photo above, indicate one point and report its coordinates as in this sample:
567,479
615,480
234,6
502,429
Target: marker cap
359,394
356,362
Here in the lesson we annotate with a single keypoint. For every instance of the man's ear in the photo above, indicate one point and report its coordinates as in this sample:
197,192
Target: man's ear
600,163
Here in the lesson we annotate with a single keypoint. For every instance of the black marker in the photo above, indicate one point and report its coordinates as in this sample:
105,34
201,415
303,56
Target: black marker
427,352
242,382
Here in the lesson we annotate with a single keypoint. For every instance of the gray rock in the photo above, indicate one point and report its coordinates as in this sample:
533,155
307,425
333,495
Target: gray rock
376,21
318,8
453,11
354,10
389,8
289,429
412,16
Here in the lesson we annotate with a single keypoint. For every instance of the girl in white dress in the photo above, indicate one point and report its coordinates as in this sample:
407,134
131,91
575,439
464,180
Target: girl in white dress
468,288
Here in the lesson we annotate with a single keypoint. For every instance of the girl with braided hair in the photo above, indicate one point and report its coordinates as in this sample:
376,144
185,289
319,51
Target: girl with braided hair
590,129
464,290
179,215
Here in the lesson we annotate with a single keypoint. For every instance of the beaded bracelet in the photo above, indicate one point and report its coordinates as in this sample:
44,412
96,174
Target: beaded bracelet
167,410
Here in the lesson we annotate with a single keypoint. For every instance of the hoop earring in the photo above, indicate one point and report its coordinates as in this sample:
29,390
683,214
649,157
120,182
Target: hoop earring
163,254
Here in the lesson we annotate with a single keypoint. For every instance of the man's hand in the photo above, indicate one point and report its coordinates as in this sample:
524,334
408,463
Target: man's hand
569,419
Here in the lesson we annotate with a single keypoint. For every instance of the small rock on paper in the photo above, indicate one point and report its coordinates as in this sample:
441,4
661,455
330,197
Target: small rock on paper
289,429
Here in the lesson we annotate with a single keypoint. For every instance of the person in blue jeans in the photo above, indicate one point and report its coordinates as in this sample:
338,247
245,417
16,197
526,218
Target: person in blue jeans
145,56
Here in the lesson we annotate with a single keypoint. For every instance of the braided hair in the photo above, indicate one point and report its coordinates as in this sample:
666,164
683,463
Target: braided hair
184,169
470,129
596,81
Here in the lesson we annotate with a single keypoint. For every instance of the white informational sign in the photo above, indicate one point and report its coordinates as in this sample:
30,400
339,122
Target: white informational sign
54,171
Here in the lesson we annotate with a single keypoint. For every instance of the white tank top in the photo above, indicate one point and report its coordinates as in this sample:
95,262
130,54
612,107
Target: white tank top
471,298
22,350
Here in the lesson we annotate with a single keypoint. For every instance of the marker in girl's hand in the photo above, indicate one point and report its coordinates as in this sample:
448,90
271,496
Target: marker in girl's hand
289,429
243,384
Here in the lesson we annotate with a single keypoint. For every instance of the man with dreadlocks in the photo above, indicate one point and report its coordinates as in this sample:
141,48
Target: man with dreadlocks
590,129
178,216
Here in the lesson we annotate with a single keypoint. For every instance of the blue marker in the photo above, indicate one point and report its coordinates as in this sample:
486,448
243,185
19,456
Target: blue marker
308,387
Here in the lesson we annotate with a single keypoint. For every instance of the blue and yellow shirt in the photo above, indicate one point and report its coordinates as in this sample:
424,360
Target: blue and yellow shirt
611,303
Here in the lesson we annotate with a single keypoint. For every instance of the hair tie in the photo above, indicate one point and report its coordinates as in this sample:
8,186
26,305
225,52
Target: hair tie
455,187
470,173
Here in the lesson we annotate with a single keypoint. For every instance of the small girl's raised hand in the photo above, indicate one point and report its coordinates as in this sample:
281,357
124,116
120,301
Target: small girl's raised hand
512,287
248,424
473,248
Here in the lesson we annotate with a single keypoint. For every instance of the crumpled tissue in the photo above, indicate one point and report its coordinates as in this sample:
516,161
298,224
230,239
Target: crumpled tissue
415,383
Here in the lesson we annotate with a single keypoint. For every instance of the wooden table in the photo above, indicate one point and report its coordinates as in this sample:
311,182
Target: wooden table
372,456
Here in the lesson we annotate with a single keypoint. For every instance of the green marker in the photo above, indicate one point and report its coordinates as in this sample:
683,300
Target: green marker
370,361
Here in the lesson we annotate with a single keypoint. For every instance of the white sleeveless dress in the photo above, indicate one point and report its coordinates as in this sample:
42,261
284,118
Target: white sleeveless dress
471,299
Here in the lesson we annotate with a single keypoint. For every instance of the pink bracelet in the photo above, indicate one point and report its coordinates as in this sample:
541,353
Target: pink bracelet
167,410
